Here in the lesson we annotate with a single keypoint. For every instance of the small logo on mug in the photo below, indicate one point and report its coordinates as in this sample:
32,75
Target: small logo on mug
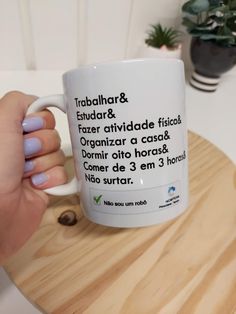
171,190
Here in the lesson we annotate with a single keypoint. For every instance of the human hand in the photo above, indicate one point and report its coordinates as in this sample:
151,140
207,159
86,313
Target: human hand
30,160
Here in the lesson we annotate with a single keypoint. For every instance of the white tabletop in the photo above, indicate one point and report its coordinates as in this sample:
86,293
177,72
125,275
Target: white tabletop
211,115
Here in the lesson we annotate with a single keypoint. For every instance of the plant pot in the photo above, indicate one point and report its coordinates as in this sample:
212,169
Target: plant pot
210,62
151,52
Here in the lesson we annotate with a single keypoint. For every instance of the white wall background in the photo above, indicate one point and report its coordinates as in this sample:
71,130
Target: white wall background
62,34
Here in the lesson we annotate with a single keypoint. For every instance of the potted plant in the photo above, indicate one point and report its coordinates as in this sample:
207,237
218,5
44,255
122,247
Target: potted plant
212,24
162,42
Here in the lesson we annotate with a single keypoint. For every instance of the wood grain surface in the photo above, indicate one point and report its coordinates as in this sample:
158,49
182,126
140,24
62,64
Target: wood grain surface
185,266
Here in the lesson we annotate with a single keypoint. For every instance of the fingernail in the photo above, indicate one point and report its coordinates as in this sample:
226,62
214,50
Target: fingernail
29,165
39,178
32,146
32,124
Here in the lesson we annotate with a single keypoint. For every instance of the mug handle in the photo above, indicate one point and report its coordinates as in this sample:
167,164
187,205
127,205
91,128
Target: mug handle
74,186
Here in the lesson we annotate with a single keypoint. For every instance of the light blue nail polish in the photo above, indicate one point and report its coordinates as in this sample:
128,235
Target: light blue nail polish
31,124
32,146
29,165
39,178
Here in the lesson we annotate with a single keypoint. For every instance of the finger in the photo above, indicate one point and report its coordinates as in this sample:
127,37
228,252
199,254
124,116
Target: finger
41,142
50,178
43,163
13,107
40,120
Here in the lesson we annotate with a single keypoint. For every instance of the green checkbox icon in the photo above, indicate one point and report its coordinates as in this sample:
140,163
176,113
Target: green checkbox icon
97,199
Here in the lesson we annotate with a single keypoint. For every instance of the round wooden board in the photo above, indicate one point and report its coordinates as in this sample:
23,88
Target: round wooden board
187,265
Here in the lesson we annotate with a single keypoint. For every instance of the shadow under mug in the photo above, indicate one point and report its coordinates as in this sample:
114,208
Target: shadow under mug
129,140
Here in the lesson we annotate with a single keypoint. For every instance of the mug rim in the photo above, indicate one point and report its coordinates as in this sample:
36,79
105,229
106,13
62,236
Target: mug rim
122,61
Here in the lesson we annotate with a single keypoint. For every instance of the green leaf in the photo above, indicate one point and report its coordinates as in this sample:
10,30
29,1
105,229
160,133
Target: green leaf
195,7
198,33
227,31
203,28
188,23
214,36
223,9
217,19
233,4
215,3
231,23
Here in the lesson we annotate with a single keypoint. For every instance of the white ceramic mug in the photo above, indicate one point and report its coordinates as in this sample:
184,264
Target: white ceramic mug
129,140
